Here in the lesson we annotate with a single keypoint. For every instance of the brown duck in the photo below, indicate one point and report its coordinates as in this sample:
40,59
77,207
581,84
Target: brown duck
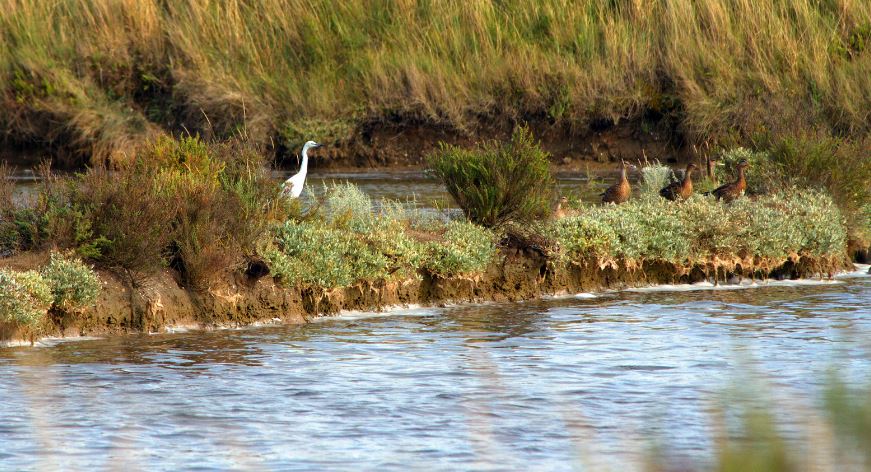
620,191
732,190
680,190
560,211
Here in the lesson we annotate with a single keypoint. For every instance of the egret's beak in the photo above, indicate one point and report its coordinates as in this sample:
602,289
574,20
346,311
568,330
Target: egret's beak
317,146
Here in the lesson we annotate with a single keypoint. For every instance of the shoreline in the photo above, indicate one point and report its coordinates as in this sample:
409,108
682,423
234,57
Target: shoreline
162,306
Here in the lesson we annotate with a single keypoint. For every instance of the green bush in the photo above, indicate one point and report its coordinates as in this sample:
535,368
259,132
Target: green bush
185,203
25,297
313,253
73,284
496,183
840,167
465,248
584,236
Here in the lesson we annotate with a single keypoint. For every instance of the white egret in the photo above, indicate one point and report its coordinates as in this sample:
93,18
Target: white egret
292,187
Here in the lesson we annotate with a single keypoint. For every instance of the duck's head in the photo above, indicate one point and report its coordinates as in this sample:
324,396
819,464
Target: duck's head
743,164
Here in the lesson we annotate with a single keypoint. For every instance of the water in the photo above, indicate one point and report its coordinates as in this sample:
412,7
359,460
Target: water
545,385
411,185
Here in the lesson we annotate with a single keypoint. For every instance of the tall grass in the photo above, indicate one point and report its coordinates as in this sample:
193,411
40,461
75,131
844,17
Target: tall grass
98,74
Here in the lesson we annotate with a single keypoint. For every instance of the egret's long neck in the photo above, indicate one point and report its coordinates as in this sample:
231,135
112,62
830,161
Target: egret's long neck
304,167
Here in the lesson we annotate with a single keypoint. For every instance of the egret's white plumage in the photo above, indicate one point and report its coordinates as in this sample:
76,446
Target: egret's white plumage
293,186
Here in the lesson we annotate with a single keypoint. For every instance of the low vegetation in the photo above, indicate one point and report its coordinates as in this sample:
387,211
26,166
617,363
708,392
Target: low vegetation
756,234
64,285
73,284
206,210
25,297
356,242
835,166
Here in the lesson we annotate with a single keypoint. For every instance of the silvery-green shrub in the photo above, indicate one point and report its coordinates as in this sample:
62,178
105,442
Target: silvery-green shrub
25,297
73,284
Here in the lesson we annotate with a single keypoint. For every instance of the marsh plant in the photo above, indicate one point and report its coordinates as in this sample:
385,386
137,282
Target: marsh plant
65,284
73,284
766,231
99,87
496,183
25,297
357,241
198,207
655,176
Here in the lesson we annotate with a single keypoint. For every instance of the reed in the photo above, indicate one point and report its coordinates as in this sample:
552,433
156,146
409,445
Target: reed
100,76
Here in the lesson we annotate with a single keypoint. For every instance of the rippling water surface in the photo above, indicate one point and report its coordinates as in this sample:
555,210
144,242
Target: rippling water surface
545,385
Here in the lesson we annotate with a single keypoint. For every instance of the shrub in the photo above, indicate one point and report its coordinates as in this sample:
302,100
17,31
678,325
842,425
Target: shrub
182,202
353,242
465,248
129,220
73,284
25,297
312,253
837,166
584,236
496,183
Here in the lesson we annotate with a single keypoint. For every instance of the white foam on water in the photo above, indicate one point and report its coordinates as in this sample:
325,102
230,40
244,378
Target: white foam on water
564,296
744,284
861,271
393,310
49,341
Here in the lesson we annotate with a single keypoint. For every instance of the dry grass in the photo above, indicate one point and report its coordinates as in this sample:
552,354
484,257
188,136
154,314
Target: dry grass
98,74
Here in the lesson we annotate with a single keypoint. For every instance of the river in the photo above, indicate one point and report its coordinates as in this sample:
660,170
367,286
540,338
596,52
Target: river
557,384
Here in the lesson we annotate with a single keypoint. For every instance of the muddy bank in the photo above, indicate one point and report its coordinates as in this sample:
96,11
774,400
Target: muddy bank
520,273
397,143
400,143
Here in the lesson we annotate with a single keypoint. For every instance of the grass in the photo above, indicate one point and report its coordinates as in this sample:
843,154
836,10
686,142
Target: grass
98,77
497,183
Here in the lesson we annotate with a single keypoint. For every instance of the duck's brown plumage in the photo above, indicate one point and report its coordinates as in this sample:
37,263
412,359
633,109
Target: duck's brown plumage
680,190
732,190
620,191
560,212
